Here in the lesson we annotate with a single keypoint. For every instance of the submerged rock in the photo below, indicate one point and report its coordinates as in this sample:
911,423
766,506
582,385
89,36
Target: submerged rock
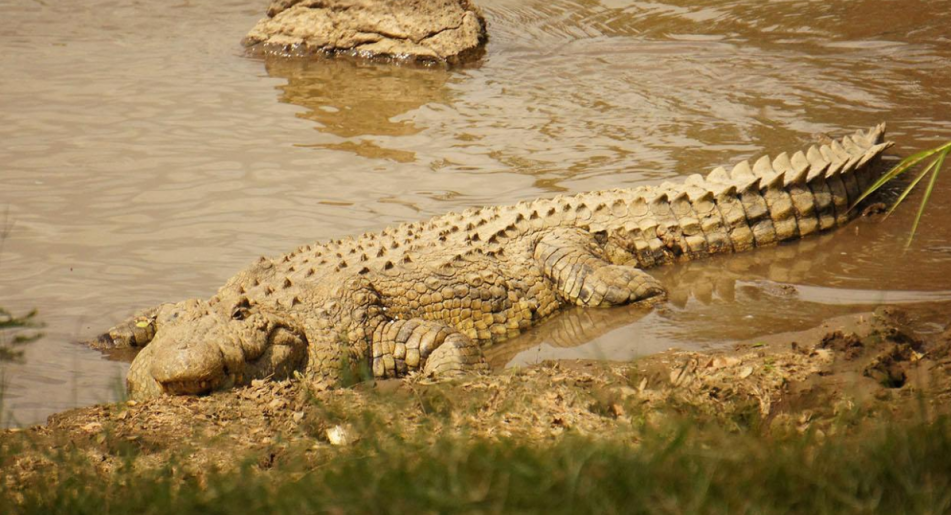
437,31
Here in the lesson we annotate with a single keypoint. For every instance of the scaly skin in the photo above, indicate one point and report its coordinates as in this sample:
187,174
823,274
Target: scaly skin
421,297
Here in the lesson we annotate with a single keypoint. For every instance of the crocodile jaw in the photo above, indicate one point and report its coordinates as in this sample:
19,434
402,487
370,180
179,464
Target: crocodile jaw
175,366
211,352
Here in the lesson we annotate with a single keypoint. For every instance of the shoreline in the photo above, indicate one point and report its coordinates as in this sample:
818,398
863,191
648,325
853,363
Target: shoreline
867,367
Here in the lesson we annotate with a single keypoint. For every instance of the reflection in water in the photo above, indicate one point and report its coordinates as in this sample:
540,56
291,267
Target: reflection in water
717,301
359,101
145,159
356,99
572,328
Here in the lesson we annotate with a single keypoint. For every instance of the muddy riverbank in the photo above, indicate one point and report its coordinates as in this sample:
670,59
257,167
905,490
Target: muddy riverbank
847,373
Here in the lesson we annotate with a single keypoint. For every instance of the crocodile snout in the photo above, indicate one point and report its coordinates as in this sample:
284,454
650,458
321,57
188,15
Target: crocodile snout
187,368
183,359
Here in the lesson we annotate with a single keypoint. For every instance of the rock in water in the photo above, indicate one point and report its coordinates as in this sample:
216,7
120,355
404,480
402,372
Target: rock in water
426,31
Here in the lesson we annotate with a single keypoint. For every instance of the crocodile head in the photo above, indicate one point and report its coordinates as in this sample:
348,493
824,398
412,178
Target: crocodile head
198,349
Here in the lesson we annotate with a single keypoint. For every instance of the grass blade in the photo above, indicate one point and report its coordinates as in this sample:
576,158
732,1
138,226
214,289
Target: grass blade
924,201
899,169
910,187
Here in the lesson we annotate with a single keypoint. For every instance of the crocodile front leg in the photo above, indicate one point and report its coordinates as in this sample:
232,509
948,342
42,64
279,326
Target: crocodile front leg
575,263
394,346
399,348
404,346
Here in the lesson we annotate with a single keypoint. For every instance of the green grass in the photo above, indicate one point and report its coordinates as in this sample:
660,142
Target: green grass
933,168
897,469
12,339
12,335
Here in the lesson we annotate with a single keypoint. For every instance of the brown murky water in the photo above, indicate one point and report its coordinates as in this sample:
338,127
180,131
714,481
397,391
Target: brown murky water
144,159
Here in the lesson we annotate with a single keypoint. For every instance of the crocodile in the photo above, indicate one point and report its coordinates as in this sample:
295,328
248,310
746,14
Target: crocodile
421,298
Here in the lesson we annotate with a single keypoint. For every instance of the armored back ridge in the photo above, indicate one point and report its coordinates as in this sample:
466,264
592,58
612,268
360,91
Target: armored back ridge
420,297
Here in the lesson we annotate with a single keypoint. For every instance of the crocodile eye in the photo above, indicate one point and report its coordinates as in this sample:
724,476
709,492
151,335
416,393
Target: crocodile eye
240,311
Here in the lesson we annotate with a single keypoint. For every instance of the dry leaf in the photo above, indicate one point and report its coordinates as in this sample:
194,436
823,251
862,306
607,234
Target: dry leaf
92,427
723,362
625,391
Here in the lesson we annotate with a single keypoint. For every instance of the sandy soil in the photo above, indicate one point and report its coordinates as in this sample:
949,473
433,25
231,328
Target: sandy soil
828,379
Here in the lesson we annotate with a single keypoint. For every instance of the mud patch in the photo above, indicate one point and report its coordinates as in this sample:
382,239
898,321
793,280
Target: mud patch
882,367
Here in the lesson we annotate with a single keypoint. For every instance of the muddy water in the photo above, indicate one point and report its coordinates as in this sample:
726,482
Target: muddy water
145,159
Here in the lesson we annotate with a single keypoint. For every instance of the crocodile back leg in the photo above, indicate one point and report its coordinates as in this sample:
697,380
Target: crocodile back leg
575,262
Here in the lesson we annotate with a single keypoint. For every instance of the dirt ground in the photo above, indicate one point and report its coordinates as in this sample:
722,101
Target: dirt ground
854,369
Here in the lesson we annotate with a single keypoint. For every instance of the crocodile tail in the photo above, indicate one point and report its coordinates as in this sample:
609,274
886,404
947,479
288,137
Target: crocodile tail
754,205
